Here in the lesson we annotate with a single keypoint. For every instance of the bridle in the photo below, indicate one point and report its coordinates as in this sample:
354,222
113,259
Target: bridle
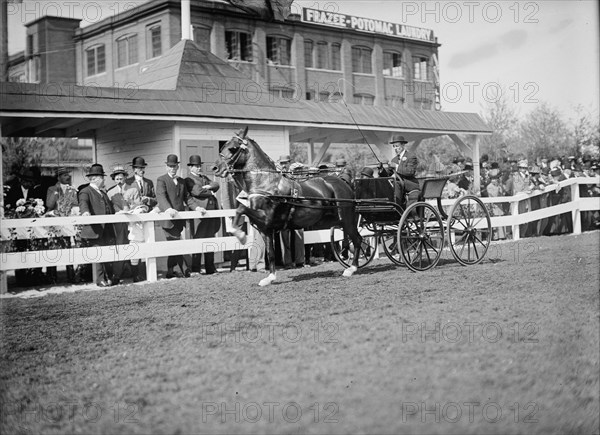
235,157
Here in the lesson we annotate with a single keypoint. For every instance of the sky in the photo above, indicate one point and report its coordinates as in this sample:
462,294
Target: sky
533,52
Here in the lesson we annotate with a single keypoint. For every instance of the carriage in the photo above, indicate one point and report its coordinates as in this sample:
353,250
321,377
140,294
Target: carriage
360,217
418,235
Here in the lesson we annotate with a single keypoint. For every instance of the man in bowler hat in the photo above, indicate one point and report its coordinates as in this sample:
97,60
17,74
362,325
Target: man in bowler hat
201,195
172,196
93,201
144,185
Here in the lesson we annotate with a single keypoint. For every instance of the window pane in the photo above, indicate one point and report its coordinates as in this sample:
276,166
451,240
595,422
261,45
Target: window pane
366,59
308,59
336,61
356,63
322,55
133,49
91,63
100,60
121,53
155,40
202,37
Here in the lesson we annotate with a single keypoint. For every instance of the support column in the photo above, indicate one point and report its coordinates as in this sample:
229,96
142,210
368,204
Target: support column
476,168
377,65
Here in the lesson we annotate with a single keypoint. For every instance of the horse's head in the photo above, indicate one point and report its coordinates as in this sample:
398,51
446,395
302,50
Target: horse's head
234,154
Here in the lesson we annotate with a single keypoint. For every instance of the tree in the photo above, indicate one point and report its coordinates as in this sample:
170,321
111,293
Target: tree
545,134
502,119
586,131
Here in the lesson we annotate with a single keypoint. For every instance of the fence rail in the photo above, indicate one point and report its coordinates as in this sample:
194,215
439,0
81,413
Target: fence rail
151,249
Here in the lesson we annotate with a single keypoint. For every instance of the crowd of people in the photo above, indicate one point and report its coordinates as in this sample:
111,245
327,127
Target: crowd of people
130,193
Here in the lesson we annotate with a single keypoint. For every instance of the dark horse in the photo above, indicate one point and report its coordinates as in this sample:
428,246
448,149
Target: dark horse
276,202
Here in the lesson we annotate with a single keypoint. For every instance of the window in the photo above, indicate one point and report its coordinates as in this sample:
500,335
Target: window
420,71
33,65
327,97
392,64
127,51
202,37
308,56
278,50
29,51
322,55
153,42
336,58
96,60
286,93
395,101
361,60
364,99
239,46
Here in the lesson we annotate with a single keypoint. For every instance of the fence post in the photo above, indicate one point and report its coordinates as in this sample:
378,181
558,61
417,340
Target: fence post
150,237
575,212
514,211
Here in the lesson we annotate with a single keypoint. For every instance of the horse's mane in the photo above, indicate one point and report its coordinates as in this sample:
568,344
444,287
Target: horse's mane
261,155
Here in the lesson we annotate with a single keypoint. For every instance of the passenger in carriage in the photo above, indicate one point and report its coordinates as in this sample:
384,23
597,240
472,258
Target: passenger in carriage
343,171
405,165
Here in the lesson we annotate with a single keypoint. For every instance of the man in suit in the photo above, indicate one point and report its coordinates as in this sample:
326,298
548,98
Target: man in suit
60,200
201,194
26,188
172,196
144,185
404,165
93,201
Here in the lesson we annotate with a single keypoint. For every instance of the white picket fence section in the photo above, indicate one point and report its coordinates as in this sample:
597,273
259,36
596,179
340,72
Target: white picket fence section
151,249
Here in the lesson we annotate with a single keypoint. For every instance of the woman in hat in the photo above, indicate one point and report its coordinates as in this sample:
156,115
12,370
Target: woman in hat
201,191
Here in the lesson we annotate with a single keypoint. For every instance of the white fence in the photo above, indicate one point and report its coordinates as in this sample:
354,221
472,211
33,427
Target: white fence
151,249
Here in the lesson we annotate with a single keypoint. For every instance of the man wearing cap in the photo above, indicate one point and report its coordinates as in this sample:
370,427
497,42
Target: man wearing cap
344,171
144,186
60,200
172,196
284,163
202,196
404,165
94,201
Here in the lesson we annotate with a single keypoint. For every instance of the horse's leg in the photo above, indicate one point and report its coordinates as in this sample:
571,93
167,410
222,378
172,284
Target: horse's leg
269,242
349,223
238,221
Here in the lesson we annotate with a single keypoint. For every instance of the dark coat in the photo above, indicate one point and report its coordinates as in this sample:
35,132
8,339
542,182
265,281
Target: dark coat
15,193
201,197
171,195
95,203
406,167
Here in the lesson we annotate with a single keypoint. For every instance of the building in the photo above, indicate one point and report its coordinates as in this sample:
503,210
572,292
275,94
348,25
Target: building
313,55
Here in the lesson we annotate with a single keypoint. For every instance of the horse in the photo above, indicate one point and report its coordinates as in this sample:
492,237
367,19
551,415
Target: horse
277,202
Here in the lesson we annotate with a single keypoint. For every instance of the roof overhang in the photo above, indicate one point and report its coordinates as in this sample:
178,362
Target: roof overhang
29,110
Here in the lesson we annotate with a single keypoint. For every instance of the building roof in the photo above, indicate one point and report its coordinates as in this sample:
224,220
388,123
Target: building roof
186,65
190,84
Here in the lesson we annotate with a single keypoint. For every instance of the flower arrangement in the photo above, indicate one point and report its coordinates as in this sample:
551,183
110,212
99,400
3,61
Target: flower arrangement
25,208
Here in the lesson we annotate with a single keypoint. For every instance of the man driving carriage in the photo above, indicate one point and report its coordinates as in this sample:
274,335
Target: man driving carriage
404,165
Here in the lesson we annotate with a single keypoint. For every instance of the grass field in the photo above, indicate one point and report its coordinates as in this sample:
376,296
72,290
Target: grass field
508,346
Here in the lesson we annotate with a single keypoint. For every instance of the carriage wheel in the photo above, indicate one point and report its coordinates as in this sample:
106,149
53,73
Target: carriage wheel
389,241
469,230
343,249
421,236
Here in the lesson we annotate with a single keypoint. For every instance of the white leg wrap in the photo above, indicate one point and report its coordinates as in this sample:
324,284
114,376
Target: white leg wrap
241,236
350,271
268,280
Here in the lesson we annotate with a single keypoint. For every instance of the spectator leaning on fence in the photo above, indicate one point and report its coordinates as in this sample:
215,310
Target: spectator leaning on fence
202,197
61,200
94,201
116,194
